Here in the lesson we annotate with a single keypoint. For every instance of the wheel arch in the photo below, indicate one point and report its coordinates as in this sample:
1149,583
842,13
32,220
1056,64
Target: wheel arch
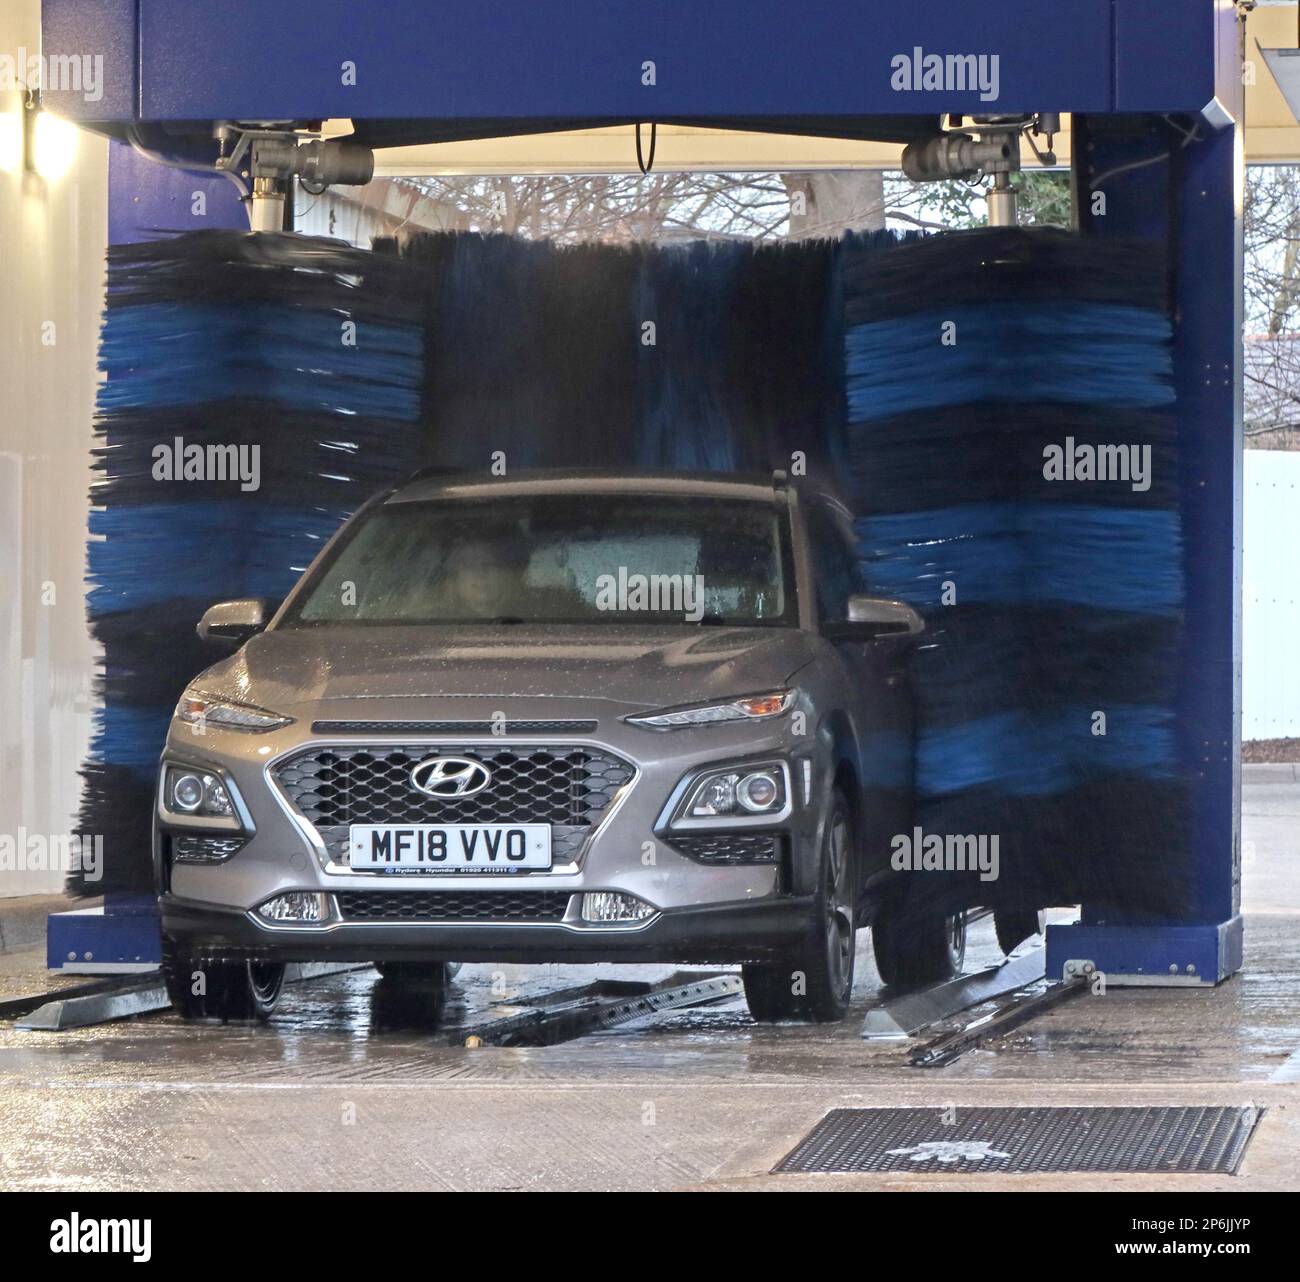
846,777
846,768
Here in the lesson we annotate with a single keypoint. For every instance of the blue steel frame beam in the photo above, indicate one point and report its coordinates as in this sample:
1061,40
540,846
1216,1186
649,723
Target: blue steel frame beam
192,60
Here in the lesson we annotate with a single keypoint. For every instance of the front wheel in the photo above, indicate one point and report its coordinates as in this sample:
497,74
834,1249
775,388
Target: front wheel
216,988
417,974
1015,925
912,953
817,982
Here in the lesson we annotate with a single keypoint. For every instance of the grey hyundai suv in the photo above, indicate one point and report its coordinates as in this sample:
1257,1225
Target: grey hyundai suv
579,718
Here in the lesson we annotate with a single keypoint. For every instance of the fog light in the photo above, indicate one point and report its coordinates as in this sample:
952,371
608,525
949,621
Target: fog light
296,906
605,906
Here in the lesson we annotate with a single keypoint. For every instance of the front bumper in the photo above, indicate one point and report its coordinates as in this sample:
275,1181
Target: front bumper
706,911
757,930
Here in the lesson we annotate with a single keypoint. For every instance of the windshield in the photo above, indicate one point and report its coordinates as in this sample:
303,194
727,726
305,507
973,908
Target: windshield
558,559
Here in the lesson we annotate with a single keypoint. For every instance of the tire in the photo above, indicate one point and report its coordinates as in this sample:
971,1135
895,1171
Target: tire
911,954
816,983
229,989
1014,925
417,974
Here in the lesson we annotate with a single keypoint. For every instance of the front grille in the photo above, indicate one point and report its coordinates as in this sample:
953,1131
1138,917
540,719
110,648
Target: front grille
453,905
729,847
567,786
205,850
502,727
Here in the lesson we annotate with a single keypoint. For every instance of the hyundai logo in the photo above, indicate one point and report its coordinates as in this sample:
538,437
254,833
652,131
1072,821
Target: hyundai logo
450,776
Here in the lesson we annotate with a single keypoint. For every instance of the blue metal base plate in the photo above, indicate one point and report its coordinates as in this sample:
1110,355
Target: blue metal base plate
98,941
1149,956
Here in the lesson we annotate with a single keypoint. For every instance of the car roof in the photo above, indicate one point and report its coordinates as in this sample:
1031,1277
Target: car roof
733,485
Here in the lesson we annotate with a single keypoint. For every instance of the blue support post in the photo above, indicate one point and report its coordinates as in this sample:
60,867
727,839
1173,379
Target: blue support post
1194,203
145,199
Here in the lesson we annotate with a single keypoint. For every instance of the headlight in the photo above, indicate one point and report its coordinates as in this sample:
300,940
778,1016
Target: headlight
754,707
189,791
196,707
759,792
735,795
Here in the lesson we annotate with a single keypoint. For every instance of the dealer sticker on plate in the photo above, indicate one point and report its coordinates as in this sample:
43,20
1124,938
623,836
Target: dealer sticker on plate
449,847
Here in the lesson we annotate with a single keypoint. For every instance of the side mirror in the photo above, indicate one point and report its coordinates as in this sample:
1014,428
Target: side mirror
870,617
231,623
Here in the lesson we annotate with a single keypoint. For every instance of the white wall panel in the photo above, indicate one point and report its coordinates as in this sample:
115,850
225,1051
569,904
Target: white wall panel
1271,596
52,232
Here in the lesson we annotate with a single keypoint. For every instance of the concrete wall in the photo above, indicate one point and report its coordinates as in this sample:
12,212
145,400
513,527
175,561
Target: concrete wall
53,231
1271,596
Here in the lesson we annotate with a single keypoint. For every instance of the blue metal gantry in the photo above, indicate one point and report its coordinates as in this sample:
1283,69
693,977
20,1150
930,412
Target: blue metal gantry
416,70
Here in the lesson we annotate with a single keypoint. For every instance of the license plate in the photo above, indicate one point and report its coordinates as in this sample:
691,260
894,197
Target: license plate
449,847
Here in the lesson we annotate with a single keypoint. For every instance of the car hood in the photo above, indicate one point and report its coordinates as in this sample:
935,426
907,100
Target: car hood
406,671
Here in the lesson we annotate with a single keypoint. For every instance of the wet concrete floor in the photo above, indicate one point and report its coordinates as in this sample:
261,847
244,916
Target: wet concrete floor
348,1088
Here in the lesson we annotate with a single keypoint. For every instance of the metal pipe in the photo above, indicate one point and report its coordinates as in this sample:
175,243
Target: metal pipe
1002,202
266,207
954,156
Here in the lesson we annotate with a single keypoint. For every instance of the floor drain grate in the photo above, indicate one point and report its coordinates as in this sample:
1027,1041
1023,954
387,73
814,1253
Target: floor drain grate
1186,1140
